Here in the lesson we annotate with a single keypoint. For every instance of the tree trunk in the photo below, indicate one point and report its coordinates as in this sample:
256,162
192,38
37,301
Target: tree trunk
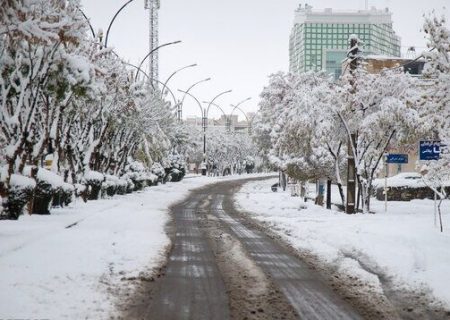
329,194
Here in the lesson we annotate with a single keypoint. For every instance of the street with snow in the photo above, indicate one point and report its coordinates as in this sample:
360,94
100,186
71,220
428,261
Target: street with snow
218,184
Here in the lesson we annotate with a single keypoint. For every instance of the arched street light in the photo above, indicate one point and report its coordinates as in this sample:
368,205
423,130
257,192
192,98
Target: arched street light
227,118
147,76
112,21
152,51
218,107
237,107
204,119
88,22
206,116
215,98
180,105
174,73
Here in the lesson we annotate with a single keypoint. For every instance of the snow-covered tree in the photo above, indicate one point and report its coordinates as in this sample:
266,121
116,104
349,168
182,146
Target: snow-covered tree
436,104
381,110
66,98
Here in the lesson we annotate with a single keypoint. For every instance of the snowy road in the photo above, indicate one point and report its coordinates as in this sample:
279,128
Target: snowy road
220,267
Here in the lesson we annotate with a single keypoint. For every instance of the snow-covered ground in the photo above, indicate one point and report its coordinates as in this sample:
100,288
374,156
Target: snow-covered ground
49,270
402,243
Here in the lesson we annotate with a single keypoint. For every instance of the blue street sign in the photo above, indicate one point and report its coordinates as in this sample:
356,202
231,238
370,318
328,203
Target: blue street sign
396,158
429,150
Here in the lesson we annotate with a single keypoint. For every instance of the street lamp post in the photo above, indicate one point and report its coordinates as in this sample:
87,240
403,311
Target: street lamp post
237,107
112,21
204,119
152,51
207,112
147,76
174,73
180,105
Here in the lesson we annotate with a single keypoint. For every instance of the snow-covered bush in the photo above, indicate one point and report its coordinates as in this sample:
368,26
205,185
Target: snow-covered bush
122,186
158,170
64,195
20,194
48,185
110,186
66,98
93,180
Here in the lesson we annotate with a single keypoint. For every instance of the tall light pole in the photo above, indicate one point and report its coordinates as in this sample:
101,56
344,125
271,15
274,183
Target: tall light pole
237,107
206,117
112,21
174,73
147,76
150,53
180,105
203,113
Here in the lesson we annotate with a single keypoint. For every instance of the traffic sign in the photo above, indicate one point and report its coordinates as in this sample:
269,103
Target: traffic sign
396,158
429,150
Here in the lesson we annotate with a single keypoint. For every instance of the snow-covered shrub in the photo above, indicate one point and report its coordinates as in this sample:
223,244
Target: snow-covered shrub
93,180
110,186
158,170
64,195
122,186
20,194
48,184
249,164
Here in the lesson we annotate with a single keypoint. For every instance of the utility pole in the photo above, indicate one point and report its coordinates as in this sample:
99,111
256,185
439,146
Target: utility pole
353,56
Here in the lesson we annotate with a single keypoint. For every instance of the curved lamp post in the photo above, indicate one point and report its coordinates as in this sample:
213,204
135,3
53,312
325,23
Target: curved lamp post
237,107
180,105
218,107
147,76
150,53
88,22
112,21
206,117
174,73
203,113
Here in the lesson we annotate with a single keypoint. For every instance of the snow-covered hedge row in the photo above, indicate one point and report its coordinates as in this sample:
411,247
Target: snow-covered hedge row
42,189
87,122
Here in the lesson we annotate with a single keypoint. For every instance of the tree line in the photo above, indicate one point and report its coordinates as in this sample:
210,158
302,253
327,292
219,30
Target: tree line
308,123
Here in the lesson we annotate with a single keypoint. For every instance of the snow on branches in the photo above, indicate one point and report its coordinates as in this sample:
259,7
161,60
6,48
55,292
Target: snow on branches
306,120
65,99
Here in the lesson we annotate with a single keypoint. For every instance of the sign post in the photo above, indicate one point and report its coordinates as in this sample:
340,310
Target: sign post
386,168
431,150
397,158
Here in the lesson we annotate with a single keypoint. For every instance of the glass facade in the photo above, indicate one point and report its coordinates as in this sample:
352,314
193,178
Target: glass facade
323,46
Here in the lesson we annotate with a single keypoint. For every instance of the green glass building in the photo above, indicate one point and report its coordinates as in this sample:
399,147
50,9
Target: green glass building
319,39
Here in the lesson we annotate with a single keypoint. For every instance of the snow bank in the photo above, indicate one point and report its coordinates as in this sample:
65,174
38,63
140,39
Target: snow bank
402,243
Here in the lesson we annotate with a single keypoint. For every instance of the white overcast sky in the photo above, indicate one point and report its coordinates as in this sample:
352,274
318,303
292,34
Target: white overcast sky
237,43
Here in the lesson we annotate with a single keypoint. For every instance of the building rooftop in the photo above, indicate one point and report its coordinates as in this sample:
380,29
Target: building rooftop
373,16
